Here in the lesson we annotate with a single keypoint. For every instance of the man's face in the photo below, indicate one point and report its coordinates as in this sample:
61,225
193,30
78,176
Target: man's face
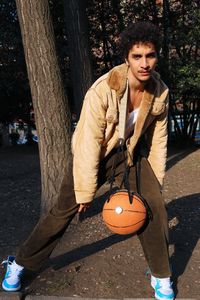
142,59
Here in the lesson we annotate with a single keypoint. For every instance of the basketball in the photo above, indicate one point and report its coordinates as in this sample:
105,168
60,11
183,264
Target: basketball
121,216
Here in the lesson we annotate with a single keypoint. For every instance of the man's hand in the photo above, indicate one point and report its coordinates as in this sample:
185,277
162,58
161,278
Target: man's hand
83,207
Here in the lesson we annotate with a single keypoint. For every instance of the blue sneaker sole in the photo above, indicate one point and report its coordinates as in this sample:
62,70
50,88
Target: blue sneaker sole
10,289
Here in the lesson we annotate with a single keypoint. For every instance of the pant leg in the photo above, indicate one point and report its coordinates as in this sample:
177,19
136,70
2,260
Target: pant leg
49,229
154,237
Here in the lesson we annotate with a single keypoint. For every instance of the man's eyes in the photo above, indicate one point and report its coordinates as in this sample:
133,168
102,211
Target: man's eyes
151,55
138,56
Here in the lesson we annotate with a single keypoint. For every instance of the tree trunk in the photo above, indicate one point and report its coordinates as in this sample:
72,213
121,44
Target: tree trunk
116,7
79,50
49,101
166,40
106,50
154,4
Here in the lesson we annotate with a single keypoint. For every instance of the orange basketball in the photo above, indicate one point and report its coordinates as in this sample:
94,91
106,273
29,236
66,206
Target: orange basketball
123,217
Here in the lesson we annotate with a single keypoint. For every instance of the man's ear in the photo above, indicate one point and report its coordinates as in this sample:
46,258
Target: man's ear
126,62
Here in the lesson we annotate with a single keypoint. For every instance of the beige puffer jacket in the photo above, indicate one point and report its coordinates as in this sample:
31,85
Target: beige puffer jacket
97,131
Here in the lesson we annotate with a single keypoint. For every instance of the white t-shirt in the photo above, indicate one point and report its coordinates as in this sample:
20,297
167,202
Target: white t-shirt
131,119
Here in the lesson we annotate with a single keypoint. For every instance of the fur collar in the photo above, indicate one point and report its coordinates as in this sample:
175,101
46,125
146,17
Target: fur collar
117,80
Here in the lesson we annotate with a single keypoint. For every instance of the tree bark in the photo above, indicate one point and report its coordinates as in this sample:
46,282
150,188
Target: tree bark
166,40
116,8
49,101
79,49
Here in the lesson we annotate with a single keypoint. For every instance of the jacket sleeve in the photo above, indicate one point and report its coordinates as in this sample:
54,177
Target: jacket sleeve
86,147
157,136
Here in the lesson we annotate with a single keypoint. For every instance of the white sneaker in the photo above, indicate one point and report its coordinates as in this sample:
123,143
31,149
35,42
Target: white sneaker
163,288
12,279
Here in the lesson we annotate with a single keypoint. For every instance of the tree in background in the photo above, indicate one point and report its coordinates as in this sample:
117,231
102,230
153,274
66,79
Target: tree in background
179,60
50,104
79,49
184,64
14,88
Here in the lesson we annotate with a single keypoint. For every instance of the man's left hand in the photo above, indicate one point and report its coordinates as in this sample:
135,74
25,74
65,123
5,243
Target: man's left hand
83,207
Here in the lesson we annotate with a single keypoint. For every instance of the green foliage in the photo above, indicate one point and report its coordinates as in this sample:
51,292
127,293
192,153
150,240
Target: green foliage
188,79
184,50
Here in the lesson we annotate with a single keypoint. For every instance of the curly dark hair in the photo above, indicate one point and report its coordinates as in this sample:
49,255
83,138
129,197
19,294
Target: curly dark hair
140,32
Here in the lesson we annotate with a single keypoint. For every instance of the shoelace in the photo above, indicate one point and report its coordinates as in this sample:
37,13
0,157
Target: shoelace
5,262
164,283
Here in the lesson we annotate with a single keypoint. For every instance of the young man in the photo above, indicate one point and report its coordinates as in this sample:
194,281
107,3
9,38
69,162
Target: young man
94,147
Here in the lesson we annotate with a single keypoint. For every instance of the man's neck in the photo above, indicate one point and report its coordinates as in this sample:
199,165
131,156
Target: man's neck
136,85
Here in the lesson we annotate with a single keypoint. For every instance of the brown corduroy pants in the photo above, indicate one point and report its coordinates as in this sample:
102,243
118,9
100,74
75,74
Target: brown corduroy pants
50,228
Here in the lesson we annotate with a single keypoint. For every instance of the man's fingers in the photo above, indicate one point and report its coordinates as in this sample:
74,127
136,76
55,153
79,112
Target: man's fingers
80,208
83,207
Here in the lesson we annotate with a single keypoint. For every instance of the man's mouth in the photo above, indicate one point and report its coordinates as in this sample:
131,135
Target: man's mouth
145,73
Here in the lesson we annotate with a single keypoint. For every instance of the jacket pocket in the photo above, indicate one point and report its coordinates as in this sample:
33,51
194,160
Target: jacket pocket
112,116
158,108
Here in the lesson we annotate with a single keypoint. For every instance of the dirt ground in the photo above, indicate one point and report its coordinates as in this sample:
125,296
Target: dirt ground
90,261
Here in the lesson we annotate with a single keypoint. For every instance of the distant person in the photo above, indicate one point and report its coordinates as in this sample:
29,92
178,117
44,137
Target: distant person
32,125
22,131
94,146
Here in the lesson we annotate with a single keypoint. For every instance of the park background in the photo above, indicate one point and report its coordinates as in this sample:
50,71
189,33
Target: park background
51,52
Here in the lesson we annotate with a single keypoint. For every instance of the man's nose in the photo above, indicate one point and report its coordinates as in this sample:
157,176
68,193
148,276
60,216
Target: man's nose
144,63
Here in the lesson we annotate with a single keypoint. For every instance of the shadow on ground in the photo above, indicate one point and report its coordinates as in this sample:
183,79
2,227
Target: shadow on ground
20,191
186,232
176,154
184,236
